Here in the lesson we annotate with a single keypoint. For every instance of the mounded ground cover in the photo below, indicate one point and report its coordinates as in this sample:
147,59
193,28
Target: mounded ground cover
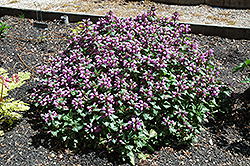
224,141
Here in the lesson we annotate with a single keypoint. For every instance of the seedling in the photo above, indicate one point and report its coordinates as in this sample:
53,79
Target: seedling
40,39
21,16
3,27
241,67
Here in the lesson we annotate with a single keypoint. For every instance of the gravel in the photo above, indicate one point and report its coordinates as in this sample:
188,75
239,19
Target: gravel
224,141
195,14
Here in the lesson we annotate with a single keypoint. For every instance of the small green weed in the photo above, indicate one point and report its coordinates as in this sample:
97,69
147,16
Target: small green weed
241,67
3,27
22,16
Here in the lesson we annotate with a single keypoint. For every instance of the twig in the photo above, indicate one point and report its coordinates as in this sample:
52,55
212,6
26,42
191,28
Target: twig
25,64
18,38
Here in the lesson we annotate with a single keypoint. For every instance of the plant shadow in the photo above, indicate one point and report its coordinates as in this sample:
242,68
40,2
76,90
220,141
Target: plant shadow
55,145
223,126
232,129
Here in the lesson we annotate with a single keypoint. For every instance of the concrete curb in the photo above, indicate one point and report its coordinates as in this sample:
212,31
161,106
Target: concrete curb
206,29
231,32
46,15
237,4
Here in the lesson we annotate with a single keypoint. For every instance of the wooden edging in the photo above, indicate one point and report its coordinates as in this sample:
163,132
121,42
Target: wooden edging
237,4
232,32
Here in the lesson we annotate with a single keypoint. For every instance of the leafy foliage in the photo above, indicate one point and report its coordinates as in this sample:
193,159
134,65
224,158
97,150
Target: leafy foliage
3,27
9,107
128,84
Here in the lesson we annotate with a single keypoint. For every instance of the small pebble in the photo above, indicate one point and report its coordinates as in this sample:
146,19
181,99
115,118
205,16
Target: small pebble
211,142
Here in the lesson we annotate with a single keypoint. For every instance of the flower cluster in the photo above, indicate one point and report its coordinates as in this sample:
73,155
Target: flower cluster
6,80
49,116
123,77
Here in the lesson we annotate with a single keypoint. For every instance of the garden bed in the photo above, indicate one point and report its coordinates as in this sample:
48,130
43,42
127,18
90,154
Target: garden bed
225,141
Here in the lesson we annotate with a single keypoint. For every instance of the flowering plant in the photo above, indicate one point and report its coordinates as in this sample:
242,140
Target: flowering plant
8,107
128,84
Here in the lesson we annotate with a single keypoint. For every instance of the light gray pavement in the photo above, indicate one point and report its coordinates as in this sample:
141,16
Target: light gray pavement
197,16
201,14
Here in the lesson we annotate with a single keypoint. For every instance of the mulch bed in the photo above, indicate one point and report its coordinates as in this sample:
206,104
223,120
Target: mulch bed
225,141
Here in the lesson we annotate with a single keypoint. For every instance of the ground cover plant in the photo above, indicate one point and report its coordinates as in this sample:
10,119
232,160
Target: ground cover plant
9,107
129,84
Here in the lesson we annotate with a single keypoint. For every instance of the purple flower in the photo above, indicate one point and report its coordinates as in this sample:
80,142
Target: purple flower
115,70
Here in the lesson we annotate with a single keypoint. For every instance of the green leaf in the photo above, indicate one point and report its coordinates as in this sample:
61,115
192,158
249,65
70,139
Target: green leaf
155,112
247,62
142,135
152,133
147,116
166,106
199,119
195,139
227,92
202,129
214,102
54,133
64,138
204,109
172,130
163,96
139,143
146,50
1,133
240,67
138,113
145,132
77,128
113,117
176,107
143,156
129,147
165,72
65,123
150,148
75,141
247,80
131,157
90,135
73,92
57,123
106,124
136,71
191,95
113,127
120,103
156,107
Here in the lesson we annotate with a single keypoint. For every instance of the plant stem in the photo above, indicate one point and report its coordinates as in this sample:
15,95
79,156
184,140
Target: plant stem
1,99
